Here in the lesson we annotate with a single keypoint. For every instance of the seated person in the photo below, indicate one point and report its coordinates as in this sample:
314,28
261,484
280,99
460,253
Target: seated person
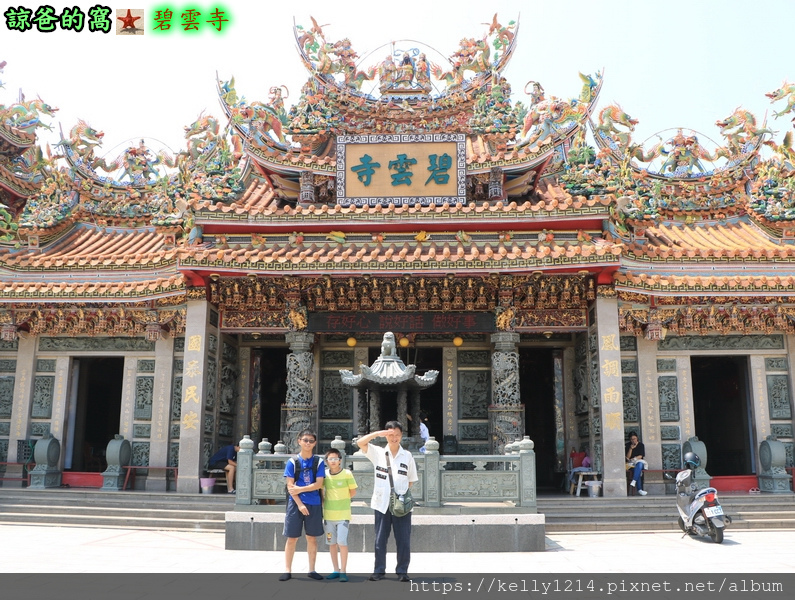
226,459
635,451
579,462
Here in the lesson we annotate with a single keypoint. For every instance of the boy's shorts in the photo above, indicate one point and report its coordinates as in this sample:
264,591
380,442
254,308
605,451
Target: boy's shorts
336,532
294,521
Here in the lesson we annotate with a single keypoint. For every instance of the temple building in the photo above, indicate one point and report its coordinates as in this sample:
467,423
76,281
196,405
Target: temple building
566,282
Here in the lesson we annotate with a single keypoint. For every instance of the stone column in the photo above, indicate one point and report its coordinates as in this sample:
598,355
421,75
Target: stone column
570,400
300,408
193,397
402,408
415,412
649,408
685,384
450,391
128,397
611,409
60,403
20,409
156,479
761,407
506,418
375,410
242,410
360,356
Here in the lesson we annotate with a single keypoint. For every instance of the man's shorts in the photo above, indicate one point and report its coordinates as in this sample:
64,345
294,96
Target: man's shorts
294,521
336,532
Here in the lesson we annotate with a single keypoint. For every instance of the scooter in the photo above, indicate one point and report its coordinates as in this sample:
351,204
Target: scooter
700,512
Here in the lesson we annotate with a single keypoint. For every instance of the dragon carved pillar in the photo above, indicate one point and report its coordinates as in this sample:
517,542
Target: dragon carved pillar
506,413
300,410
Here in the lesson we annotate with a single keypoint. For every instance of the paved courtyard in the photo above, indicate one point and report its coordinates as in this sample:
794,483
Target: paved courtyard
94,550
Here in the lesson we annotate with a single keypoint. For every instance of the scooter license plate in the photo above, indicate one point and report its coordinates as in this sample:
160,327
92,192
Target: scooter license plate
713,511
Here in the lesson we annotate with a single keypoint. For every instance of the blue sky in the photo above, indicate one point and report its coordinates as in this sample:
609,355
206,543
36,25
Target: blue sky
669,64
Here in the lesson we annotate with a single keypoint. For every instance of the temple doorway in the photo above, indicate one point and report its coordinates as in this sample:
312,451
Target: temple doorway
537,388
269,391
95,411
722,413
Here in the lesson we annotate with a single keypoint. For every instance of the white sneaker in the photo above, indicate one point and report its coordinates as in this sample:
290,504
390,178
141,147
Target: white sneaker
642,492
632,483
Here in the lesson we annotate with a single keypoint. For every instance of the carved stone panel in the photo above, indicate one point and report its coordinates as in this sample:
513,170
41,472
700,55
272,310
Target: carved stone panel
146,366
782,430
777,363
666,364
778,397
671,456
629,366
144,392
95,344
722,342
596,425
337,358
140,454
209,421
43,389
629,388
207,452
474,394
489,485
582,428
176,398
179,345
628,343
329,430
6,396
473,431
667,388
45,365
212,344
3,450
469,449
474,358
5,429
225,427
669,432
39,428
173,454
212,382
8,365
229,376
337,398
229,353
142,431
174,432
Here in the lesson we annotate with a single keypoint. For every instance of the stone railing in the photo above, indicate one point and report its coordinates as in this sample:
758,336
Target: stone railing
448,479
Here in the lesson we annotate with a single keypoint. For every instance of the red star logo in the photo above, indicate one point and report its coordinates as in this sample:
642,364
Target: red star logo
128,22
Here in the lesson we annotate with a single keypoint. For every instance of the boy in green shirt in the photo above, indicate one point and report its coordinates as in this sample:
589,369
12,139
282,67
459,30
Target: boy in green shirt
339,487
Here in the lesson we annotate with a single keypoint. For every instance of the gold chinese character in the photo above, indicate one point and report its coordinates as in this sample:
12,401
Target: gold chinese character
195,342
610,367
610,395
613,420
191,395
192,369
190,420
609,342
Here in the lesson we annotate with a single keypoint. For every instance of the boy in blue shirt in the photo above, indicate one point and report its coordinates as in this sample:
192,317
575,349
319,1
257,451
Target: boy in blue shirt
304,505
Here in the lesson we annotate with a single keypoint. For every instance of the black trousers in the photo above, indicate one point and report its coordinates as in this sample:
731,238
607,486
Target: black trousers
384,523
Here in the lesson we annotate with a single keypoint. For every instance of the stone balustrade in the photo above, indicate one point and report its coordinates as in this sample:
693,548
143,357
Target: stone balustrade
443,479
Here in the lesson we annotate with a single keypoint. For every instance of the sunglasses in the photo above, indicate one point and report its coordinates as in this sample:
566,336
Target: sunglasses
333,460
307,440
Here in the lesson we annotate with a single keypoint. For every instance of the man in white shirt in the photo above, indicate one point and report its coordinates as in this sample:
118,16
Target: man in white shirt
404,474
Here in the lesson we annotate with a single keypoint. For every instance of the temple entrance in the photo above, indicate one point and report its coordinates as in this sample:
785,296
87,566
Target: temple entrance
536,383
723,413
95,411
269,391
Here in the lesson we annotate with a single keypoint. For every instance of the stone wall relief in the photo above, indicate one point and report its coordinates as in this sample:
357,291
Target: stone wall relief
668,392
